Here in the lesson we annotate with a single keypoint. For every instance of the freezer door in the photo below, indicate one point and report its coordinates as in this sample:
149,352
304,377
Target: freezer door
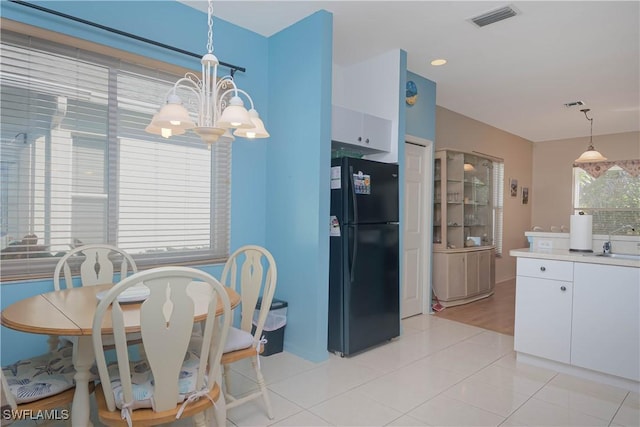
372,292
368,192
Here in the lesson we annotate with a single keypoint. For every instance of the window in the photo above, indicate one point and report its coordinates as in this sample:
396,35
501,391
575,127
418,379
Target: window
78,168
498,205
613,198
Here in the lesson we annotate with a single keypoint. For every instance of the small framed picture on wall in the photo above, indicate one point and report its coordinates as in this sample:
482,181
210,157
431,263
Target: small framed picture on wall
513,187
525,195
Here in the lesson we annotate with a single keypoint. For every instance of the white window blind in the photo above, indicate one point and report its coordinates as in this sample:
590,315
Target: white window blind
498,204
78,168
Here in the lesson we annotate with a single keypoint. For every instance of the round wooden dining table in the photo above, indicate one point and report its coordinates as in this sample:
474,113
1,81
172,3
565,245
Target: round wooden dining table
70,312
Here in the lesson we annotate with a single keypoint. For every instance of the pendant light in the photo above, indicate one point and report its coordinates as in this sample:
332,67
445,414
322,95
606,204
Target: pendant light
219,102
591,155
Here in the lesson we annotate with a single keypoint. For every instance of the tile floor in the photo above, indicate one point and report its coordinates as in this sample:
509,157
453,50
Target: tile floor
438,373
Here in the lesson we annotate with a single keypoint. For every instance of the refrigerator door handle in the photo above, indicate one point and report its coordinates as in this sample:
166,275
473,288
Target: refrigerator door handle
354,251
354,200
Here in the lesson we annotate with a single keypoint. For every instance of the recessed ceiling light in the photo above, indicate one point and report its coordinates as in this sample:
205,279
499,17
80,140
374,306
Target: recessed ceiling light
438,62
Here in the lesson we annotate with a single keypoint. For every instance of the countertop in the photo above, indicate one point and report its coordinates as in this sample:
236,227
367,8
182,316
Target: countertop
566,255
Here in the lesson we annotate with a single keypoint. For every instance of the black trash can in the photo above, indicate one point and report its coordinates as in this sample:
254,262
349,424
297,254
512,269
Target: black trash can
273,330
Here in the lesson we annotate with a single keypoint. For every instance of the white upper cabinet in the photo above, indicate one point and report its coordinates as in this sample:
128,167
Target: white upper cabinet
371,90
371,133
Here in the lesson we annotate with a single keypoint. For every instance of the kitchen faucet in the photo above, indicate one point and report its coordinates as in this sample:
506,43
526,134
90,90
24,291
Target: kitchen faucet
607,248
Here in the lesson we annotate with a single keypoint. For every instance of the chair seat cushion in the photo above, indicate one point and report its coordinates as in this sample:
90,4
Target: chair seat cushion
142,381
238,340
41,376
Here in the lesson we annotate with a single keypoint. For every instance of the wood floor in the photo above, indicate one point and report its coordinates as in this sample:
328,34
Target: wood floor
496,313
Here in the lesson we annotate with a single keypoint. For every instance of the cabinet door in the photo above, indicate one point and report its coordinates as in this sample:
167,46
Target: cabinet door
376,132
472,273
606,319
456,273
486,271
346,125
543,318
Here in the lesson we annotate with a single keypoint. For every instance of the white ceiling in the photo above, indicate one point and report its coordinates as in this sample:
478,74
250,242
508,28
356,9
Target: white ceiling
516,74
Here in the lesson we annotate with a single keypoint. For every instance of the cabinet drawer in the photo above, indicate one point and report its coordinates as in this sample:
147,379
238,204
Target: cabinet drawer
545,269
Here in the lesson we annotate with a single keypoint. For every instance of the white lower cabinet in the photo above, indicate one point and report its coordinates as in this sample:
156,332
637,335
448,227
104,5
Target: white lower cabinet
543,318
584,315
606,319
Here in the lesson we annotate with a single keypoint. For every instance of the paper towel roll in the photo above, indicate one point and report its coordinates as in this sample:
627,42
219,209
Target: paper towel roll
581,234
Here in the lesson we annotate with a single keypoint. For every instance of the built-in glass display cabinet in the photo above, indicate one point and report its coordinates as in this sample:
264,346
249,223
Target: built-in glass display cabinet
464,255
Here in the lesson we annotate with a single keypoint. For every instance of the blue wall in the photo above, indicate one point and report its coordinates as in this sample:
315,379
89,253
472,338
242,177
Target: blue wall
300,59
421,117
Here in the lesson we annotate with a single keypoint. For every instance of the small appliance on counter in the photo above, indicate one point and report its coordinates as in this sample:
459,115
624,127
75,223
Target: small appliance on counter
580,233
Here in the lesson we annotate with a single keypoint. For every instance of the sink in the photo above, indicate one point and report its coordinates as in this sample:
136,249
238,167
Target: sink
620,256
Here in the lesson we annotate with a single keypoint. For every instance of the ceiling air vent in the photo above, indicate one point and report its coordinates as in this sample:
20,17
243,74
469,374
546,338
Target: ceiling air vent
494,16
574,104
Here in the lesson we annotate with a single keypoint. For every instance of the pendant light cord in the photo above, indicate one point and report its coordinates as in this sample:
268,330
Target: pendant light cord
585,111
210,23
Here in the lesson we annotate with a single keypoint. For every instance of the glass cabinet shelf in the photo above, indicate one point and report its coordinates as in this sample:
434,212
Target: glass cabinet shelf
463,200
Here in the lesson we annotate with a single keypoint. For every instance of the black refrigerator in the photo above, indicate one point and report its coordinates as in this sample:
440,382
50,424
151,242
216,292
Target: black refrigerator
364,291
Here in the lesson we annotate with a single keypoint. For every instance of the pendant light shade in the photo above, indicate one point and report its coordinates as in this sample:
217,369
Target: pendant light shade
163,132
173,115
591,155
256,131
220,107
235,115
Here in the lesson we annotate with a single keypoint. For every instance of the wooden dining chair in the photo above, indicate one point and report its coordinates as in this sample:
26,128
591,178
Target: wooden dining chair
42,383
95,264
173,380
251,271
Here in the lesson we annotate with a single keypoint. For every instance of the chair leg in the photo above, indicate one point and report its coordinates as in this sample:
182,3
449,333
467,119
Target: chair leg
199,420
220,412
263,386
227,382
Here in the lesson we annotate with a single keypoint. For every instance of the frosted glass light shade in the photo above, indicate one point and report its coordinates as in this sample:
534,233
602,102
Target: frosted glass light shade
152,128
235,115
173,116
591,155
256,131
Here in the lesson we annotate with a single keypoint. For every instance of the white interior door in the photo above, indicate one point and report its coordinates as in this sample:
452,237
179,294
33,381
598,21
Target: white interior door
417,228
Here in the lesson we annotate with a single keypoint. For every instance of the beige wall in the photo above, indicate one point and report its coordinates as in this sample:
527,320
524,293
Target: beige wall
462,133
553,172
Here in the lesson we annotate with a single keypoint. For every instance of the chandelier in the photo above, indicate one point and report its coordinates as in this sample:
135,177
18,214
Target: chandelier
591,155
220,107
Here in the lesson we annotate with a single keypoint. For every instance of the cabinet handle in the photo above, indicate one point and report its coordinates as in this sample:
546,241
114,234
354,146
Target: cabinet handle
543,269
366,140
359,139
563,288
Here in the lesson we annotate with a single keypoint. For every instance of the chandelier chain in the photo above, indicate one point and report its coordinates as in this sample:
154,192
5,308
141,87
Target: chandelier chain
210,24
